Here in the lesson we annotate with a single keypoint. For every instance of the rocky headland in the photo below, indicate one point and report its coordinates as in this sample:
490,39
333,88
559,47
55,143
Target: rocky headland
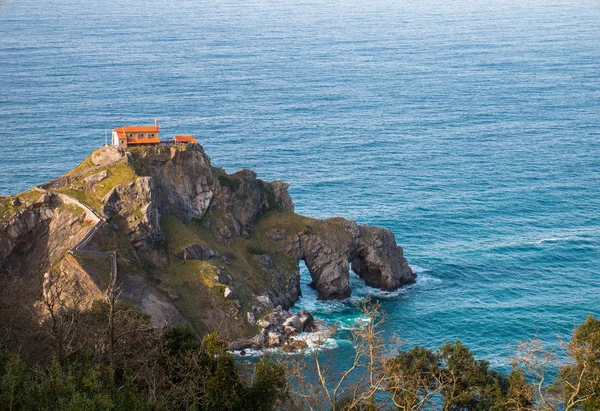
189,244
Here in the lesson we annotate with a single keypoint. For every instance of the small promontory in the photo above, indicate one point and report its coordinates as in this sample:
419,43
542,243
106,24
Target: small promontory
191,243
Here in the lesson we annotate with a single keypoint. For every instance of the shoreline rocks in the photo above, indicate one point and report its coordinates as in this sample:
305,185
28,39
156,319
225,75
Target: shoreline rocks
277,328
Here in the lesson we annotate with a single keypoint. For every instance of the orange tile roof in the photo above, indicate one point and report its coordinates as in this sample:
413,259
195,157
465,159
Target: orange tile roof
185,139
137,129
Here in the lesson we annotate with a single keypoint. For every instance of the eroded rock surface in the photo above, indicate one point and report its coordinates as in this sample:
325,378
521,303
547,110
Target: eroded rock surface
33,242
194,243
337,244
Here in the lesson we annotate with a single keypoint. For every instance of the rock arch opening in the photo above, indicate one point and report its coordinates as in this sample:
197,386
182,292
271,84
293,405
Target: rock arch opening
370,251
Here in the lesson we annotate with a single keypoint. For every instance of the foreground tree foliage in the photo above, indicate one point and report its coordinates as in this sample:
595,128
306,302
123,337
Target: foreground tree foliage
453,379
110,357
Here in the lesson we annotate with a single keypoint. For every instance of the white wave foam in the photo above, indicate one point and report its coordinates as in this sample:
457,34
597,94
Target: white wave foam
563,239
418,269
536,243
316,341
427,280
319,340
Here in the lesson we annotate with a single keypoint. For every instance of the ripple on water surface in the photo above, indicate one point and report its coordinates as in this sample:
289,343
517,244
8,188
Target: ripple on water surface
470,129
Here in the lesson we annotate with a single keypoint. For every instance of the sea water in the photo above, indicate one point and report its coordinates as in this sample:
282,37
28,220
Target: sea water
470,129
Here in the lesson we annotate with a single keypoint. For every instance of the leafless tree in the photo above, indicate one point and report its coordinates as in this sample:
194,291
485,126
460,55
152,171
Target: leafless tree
358,384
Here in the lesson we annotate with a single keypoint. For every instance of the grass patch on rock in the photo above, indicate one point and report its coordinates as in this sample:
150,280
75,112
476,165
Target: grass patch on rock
24,199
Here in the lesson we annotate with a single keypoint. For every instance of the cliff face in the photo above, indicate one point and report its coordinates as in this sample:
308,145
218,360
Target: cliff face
36,231
193,243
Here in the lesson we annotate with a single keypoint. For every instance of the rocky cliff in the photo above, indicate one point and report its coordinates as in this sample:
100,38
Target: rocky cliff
193,243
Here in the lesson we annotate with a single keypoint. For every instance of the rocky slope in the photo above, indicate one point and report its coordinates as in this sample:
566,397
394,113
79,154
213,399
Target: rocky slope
193,243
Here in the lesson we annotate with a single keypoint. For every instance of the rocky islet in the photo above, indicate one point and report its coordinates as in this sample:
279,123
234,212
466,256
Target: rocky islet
244,239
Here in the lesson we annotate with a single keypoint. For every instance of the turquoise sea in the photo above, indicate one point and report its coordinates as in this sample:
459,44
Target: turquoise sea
470,129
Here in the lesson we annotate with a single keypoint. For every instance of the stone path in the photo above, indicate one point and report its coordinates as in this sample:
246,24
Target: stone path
99,222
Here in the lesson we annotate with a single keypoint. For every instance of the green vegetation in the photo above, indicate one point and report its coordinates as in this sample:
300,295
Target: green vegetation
92,197
72,209
200,294
450,378
117,174
145,369
194,281
86,164
110,357
22,200
228,181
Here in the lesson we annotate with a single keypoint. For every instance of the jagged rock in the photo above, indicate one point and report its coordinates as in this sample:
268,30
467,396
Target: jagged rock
307,320
265,300
96,178
276,235
196,252
282,196
263,323
163,185
287,348
136,202
289,331
278,327
37,238
228,293
372,251
274,339
106,156
242,198
294,345
250,318
185,181
294,322
298,344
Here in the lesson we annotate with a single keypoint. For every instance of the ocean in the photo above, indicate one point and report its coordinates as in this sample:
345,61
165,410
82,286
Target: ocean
470,129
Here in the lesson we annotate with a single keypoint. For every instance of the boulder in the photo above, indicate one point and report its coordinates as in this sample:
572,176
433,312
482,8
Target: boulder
228,293
307,320
273,339
287,348
196,252
289,330
294,322
265,300
96,178
263,323
299,344
106,156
